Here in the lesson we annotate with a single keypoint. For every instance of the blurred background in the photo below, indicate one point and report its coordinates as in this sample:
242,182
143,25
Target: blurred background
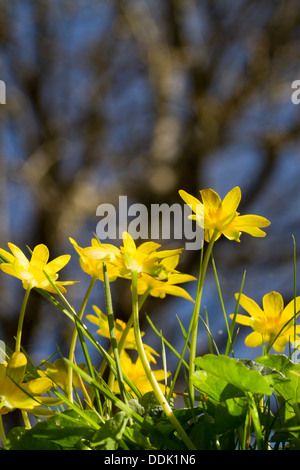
143,98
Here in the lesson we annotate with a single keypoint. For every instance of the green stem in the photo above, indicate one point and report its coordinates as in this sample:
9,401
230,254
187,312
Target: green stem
124,334
156,389
113,339
74,339
2,432
21,319
195,316
256,422
26,420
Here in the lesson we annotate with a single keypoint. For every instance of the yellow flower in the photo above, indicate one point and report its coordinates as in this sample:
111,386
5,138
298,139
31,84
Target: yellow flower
130,258
94,267
101,320
159,288
58,373
214,214
135,372
31,273
14,393
274,319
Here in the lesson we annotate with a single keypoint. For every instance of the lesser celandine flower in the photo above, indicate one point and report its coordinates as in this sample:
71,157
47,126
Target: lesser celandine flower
58,373
32,273
94,267
101,320
273,322
222,215
130,258
14,393
158,288
136,373
171,277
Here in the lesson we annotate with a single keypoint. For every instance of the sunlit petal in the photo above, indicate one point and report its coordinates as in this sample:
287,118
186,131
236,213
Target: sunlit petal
273,304
254,339
231,200
250,306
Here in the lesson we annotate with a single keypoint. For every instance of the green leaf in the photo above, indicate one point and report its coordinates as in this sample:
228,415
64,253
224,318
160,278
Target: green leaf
216,389
110,433
289,389
22,439
65,430
136,438
235,373
149,402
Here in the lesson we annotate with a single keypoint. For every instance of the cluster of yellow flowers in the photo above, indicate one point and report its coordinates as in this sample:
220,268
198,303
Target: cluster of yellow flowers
156,275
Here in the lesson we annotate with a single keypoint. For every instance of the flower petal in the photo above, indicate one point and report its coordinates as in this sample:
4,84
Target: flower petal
128,243
172,290
9,269
250,306
251,221
57,264
290,309
18,254
16,367
40,256
148,247
6,255
231,201
191,201
273,304
37,386
242,319
280,343
211,200
254,339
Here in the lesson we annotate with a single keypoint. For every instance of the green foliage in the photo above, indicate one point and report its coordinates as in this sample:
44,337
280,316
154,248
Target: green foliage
231,403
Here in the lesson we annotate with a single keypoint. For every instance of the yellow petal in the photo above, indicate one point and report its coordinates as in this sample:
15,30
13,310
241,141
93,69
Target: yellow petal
37,386
254,231
179,278
170,263
18,254
211,200
231,200
273,304
254,339
76,246
93,319
57,264
6,255
232,233
280,343
40,256
148,247
128,243
9,269
251,221
178,291
100,253
16,367
290,309
191,201
250,306
167,253
242,319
